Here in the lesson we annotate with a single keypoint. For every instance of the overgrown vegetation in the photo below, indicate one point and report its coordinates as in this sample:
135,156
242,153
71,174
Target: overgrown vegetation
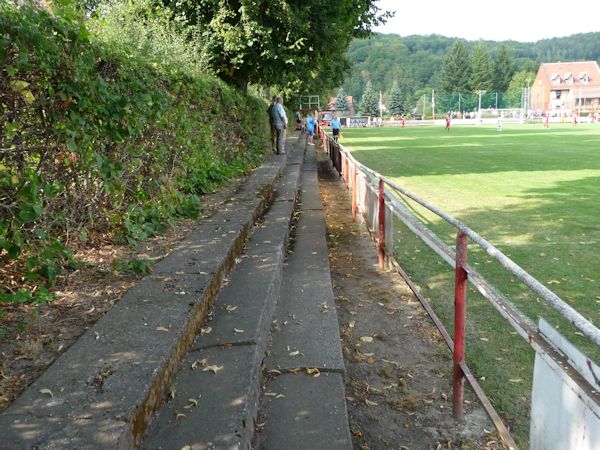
108,127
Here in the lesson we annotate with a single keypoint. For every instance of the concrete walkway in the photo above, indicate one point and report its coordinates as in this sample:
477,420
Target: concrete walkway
179,360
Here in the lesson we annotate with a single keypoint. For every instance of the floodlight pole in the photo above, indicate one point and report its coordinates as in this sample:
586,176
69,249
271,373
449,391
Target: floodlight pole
480,92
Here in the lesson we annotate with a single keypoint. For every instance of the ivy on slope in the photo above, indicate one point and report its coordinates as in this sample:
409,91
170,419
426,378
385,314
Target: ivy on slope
97,139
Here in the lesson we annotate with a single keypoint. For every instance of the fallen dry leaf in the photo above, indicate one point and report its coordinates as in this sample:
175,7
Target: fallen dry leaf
237,330
199,361
314,372
191,404
366,339
274,395
515,380
370,403
213,369
179,416
295,353
47,391
231,308
162,329
206,330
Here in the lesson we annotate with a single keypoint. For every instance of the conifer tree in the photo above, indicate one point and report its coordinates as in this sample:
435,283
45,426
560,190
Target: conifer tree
369,105
503,71
456,71
396,103
481,69
341,100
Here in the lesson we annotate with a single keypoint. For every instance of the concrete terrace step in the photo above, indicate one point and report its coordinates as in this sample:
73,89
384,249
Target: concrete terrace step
103,391
216,392
303,410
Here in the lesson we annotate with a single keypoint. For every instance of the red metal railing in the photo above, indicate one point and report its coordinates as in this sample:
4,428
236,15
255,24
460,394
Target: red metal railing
377,183
460,318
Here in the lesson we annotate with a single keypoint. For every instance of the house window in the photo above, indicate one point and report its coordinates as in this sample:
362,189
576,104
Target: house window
569,78
555,79
558,94
584,77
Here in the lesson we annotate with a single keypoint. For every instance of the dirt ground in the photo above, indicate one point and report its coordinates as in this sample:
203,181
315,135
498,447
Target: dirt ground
33,336
398,380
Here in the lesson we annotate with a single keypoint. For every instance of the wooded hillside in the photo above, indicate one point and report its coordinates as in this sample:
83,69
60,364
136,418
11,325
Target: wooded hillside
416,62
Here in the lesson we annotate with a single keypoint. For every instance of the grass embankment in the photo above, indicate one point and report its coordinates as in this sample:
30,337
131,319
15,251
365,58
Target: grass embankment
532,192
110,129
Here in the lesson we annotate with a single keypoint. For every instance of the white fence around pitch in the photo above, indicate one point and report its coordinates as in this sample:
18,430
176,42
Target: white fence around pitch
574,421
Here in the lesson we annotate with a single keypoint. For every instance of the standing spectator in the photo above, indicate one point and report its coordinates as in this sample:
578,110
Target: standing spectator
271,112
335,127
448,123
547,119
298,117
403,121
280,122
310,127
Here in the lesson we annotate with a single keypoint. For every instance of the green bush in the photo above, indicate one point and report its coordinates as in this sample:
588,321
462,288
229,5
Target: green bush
113,130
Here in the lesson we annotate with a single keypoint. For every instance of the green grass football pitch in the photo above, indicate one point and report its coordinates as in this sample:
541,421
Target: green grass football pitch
532,192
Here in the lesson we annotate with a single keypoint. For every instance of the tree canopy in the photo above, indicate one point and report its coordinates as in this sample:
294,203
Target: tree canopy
279,43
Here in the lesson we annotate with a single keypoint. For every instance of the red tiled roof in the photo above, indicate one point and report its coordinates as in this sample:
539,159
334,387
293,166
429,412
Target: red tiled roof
567,69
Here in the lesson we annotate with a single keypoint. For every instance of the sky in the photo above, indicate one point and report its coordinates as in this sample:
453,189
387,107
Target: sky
496,20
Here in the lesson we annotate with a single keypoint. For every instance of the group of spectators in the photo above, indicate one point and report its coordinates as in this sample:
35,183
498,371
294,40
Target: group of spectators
279,122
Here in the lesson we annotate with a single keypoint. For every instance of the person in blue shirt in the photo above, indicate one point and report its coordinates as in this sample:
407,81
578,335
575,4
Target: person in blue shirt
335,127
310,127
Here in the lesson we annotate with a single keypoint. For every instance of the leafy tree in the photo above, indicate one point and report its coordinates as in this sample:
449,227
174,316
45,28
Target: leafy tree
396,104
456,71
369,105
277,43
481,69
520,80
341,100
502,70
